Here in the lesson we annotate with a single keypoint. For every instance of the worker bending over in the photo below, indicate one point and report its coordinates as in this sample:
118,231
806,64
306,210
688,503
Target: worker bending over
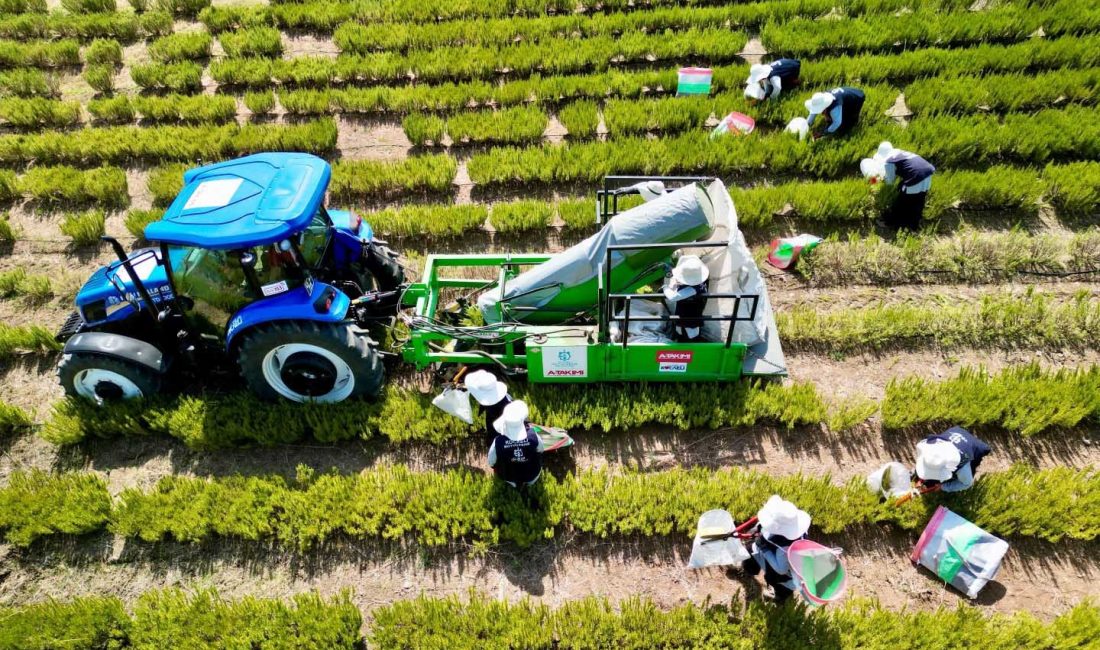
781,524
768,80
686,298
491,396
835,112
516,452
912,173
948,461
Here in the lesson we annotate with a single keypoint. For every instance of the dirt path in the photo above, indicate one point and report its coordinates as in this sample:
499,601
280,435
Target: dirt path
1040,578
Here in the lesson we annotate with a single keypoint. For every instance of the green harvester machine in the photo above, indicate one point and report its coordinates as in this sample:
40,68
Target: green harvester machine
595,312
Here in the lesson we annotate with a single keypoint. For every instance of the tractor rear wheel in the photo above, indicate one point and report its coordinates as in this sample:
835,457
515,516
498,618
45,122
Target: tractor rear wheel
306,361
101,379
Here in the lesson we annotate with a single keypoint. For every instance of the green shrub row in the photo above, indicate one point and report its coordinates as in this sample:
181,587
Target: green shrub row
1074,189
27,82
121,26
12,418
806,37
510,125
39,54
1003,93
102,186
7,233
1023,398
453,97
181,46
361,37
182,109
638,624
136,220
1035,320
182,8
464,63
967,256
26,339
39,113
165,143
1036,54
171,618
252,42
88,6
23,7
184,76
439,508
358,180
452,220
100,77
949,141
103,51
18,283
84,228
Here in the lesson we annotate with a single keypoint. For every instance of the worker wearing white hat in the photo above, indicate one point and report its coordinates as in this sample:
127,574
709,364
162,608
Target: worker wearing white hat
780,524
768,80
835,112
491,395
913,175
686,297
516,452
950,460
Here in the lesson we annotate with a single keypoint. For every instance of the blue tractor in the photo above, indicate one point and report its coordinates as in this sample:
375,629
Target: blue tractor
247,269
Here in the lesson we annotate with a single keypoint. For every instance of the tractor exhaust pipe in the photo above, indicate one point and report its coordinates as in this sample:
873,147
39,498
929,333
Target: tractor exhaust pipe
138,284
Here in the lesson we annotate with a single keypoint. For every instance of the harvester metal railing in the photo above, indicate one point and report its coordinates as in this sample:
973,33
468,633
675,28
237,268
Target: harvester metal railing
606,299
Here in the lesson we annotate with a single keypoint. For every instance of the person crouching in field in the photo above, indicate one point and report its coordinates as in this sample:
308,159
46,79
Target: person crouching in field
767,80
913,176
781,524
949,461
835,112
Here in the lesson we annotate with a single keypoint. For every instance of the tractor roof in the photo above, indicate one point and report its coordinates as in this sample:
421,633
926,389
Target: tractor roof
246,202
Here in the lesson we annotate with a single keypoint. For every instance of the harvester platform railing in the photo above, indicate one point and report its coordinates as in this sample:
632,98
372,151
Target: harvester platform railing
607,198
605,297
735,317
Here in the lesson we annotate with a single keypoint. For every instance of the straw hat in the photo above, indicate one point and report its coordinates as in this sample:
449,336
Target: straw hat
758,72
485,387
819,102
690,271
513,422
937,460
783,518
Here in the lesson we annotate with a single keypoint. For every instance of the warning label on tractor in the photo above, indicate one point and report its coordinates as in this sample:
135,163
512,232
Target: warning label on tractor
565,361
673,360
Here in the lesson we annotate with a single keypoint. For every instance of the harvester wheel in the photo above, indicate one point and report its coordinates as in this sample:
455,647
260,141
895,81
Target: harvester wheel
306,361
101,379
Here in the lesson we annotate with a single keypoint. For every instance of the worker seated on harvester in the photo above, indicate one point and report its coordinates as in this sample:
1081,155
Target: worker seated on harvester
665,291
949,461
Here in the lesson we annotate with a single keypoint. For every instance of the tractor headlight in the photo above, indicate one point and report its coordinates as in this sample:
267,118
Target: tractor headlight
94,312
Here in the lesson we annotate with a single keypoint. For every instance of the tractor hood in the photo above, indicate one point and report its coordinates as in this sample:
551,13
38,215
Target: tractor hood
110,295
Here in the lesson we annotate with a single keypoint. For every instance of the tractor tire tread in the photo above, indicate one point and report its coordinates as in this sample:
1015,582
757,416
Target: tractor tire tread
72,363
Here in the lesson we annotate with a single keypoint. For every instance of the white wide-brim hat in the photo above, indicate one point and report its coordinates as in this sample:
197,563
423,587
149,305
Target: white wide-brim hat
885,150
754,91
818,103
485,387
871,167
936,461
758,72
783,518
513,422
690,271
799,126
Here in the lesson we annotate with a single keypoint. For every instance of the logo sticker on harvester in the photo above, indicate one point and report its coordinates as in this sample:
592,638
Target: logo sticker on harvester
565,361
274,288
673,360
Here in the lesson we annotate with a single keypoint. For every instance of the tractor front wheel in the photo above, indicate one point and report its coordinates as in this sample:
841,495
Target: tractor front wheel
309,362
101,379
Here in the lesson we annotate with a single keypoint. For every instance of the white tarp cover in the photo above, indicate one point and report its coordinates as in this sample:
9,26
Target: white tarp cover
664,219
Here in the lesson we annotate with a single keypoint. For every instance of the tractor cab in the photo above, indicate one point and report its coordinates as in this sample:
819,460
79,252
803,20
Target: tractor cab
246,248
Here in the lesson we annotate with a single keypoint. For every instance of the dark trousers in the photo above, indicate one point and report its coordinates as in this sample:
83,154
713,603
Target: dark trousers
906,211
774,579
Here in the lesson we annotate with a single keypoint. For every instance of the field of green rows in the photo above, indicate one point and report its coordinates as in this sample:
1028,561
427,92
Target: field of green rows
210,519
